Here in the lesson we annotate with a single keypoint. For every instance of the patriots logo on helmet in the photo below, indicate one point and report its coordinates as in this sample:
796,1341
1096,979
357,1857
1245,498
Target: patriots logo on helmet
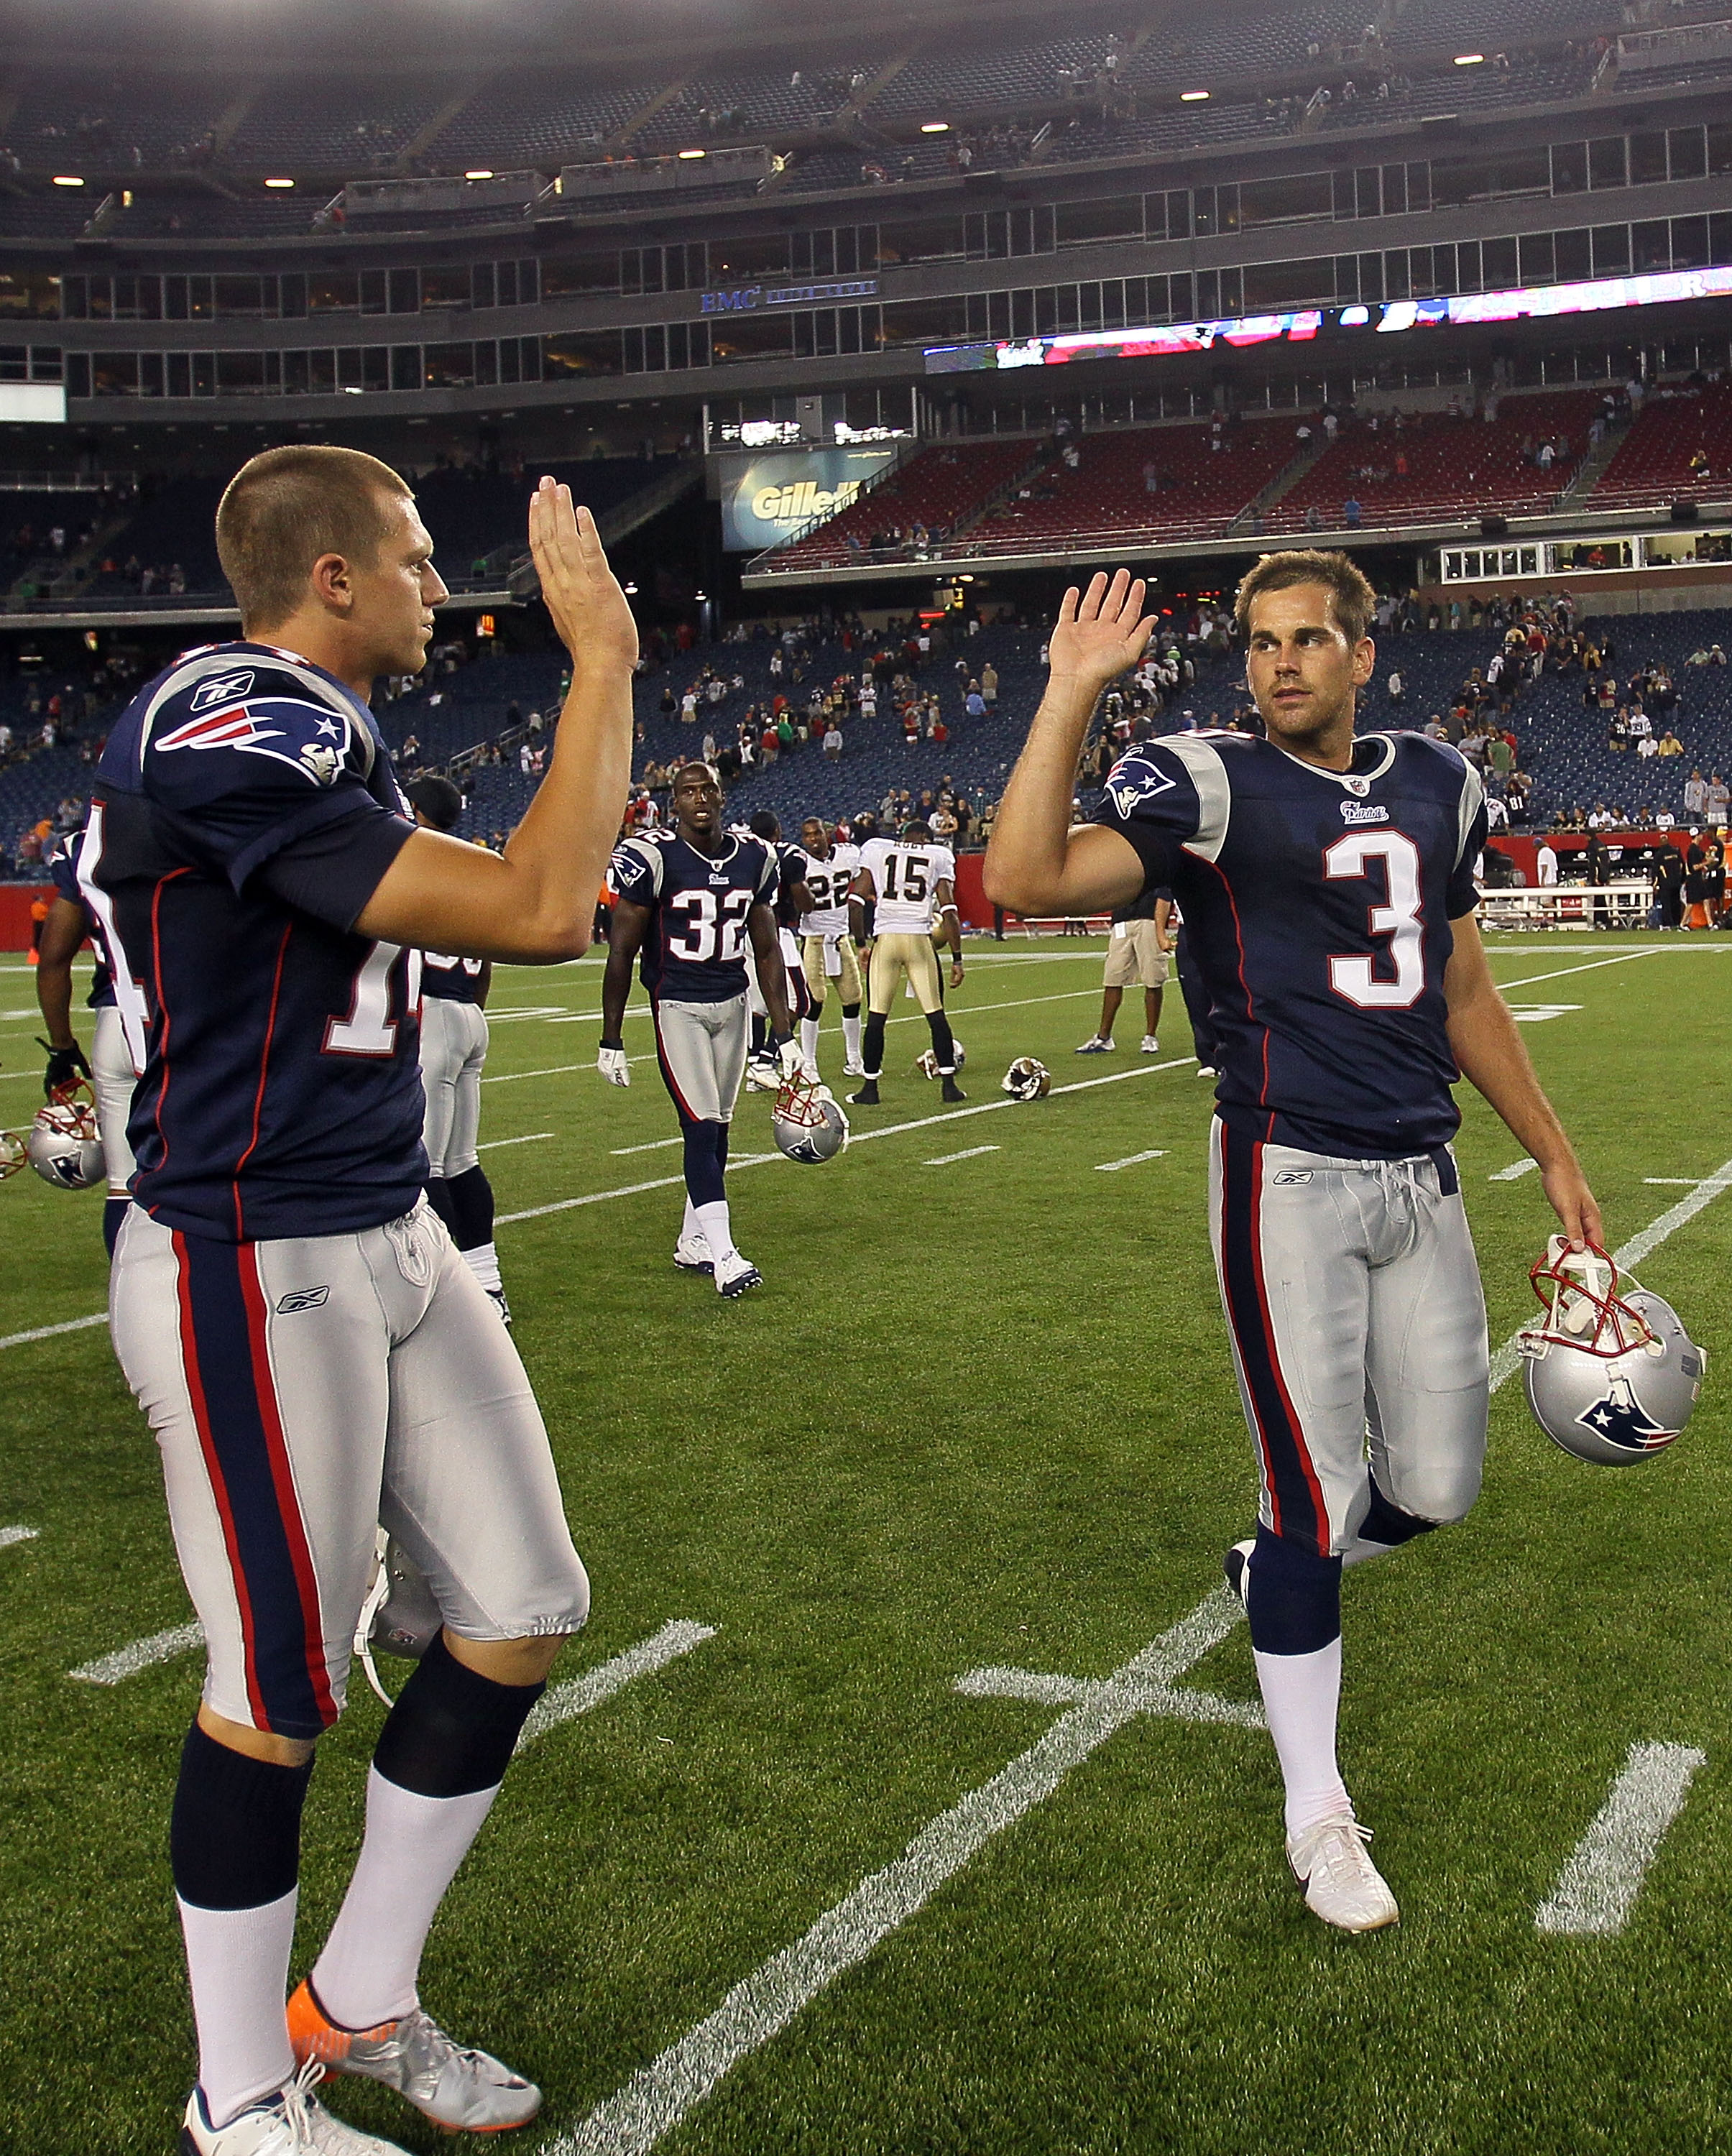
1135,780
1618,1419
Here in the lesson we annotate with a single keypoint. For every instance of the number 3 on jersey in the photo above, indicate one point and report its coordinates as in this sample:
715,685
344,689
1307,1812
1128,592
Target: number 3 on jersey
710,931
1399,919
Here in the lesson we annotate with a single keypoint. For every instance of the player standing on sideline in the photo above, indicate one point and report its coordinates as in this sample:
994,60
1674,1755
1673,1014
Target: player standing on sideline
70,919
313,1357
827,948
911,880
792,898
1136,951
693,900
1327,884
453,1052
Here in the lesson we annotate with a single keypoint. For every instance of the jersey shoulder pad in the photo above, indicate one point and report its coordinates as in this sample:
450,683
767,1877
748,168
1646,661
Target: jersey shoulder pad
218,707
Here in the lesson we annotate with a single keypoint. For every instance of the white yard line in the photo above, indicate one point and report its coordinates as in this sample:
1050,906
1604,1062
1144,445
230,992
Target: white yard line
1599,1884
1682,1182
658,2097
48,1331
1538,1013
971,1153
1589,965
655,1145
533,1138
1515,1172
578,1694
1130,1160
9,1537
142,1655
1508,1360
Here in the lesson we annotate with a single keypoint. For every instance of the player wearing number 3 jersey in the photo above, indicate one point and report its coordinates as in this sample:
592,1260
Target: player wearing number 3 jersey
1327,884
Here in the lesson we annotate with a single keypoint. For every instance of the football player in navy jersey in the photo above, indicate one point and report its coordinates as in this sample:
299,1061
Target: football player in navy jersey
693,901
316,1359
1327,884
792,898
453,1053
109,1068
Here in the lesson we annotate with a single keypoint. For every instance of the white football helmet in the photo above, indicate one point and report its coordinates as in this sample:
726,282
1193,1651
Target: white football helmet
1610,1374
399,1616
807,1121
926,1064
1026,1080
64,1145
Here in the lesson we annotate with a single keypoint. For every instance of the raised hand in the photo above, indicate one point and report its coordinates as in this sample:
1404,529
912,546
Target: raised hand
581,593
1100,632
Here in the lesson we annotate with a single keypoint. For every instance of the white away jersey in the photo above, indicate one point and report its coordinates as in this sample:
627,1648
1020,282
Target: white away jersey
906,877
829,880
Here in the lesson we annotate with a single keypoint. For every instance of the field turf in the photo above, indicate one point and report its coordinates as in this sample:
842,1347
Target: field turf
981,1415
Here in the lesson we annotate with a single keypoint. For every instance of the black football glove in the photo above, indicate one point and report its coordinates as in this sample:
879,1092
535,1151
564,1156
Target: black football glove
65,1065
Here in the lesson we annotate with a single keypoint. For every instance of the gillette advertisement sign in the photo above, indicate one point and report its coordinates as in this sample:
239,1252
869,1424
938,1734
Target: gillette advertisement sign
766,499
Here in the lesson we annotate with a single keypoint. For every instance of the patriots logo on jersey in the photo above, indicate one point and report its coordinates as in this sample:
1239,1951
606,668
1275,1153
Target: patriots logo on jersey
318,756
1618,1419
1135,780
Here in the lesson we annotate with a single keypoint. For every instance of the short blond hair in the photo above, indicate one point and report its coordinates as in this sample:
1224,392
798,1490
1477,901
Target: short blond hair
285,508
1353,601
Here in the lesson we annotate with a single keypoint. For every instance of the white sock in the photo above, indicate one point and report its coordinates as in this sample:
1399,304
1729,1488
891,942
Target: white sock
712,1226
483,1261
850,1039
808,1039
238,1960
1301,1694
691,1226
410,1855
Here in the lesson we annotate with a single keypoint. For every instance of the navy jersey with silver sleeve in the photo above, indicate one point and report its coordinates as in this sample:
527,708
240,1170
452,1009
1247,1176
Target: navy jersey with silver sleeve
696,948
1318,906
792,863
455,980
244,811
62,864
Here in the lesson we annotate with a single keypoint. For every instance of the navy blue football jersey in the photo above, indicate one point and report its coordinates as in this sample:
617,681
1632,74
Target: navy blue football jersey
792,863
62,864
244,811
696,948
457,980
1318,906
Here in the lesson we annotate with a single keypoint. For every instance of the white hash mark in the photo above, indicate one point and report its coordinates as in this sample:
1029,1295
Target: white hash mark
1599,1884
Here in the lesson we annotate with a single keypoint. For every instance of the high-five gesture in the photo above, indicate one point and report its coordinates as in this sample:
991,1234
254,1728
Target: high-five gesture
1100,632
581,593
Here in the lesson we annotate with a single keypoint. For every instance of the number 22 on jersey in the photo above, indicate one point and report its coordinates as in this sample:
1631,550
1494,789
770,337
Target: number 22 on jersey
1399,919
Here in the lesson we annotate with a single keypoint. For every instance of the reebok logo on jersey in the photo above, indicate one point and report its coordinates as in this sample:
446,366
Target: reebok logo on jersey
1292,1175
302,1298
1362,812
1134,781
225,688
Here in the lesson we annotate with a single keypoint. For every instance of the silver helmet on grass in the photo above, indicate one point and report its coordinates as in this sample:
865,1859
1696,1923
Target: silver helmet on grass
807,1121
1610,1372
1026,1080
14,1154
927,1062
64,1146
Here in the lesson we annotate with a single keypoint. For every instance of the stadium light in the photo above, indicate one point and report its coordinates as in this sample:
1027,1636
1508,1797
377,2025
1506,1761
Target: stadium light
280,183
1192,96
1470,59
935,126
67,180
480,172
687,155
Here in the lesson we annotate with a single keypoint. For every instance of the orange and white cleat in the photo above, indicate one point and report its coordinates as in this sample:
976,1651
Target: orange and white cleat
462,2090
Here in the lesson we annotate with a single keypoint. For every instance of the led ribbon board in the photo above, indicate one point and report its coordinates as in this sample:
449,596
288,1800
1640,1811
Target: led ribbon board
1536,302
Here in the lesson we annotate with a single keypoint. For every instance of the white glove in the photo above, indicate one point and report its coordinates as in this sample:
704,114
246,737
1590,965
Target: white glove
788,1059
612,1066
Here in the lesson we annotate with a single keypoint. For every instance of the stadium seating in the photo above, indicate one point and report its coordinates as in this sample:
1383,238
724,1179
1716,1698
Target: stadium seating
1456,467
939,488
1652,463
1198,491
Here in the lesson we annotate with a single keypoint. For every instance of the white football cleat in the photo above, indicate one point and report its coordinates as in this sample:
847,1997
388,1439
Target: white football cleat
1150,1046
1341,1885
292,2123
691,1254
763,1075
1095,1045
1207,1070
495,1296
857,1069
735,1275
1236,1565
463,2091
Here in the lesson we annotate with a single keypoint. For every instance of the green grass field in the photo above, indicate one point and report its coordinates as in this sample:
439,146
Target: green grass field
982,1414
